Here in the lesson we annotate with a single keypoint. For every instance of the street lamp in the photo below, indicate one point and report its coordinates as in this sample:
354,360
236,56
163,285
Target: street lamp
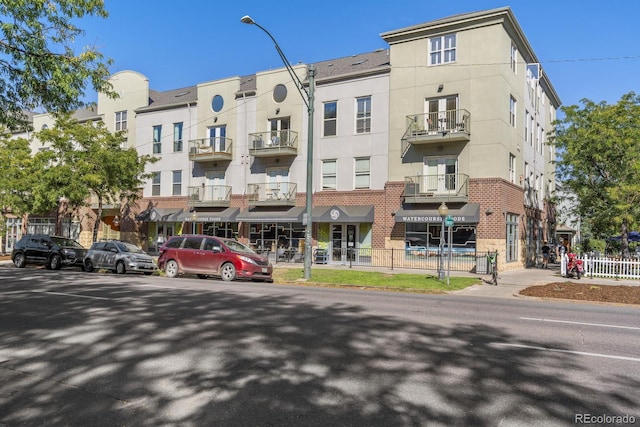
308,99
443,211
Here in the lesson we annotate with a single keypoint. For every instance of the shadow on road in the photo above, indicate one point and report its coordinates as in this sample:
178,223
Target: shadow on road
153,356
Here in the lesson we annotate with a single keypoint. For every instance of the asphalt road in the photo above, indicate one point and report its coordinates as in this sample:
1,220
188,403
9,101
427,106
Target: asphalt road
106,350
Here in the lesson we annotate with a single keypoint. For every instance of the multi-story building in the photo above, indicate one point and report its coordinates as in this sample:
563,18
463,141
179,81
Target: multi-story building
455,111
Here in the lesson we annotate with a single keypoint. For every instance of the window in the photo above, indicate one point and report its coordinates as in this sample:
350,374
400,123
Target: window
540,139
218,138
363,173
121,120
155,184
512,111
512,238
330,118
442,49
512,168
177,137
526,126
329,175
363,115
157,143
514,59
177,183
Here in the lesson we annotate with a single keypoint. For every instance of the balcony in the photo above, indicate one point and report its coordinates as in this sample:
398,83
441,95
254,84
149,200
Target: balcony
209,196
210,149
451,187
272,194
273,143
438,127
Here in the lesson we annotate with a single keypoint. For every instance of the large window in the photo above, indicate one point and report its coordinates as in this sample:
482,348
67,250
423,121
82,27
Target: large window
155,184
512,111
442,49
363,115
329,175
514,58
177,137
512,238
121,120
330,118
177,183
512,168
526,126
157,139
363,173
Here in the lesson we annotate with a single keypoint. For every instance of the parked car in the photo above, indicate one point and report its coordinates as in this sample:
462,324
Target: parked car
208,255
119,257
53,252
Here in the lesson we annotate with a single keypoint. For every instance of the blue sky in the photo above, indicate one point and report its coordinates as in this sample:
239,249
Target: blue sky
589,49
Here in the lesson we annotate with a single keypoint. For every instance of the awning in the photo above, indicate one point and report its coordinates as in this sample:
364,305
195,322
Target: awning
468,214
260,215
225,215
159,215
343,213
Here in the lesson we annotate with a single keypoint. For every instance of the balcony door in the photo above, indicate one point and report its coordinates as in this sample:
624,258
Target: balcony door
217,138
277,183
439,175
215,186
442,113
278,129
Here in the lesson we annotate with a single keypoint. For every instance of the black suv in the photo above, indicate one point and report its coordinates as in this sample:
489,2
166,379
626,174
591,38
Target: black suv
50,251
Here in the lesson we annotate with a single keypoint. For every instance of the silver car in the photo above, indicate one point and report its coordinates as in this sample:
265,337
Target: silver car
119,257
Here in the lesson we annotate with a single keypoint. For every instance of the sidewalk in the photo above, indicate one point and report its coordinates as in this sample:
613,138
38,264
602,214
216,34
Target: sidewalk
510,283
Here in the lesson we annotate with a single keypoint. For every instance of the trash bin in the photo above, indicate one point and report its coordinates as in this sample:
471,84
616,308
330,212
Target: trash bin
321,256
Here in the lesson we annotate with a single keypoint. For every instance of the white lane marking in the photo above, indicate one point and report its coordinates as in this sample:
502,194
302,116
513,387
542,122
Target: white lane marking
602,325
70,295
558,350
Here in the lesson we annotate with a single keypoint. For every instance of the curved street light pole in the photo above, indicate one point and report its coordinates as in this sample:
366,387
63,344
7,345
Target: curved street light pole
308,99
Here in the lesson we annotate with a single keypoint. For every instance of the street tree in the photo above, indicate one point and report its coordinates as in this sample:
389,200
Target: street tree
39,66
87,160
599,161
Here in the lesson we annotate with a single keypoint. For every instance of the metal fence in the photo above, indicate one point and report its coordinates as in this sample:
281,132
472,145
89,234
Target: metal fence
393,258
615,268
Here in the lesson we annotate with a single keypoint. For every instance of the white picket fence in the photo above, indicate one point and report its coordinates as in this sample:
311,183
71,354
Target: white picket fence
606,267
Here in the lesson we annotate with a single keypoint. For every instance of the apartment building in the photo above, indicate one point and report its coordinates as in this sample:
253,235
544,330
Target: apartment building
455,111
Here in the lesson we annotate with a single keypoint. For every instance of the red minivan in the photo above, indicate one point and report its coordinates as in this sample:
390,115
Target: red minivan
212,256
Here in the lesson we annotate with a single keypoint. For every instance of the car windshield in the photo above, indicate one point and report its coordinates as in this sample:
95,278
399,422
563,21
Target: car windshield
69,243
128,247
236,246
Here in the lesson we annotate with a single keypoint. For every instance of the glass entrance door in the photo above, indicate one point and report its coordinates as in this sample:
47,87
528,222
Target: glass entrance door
343,242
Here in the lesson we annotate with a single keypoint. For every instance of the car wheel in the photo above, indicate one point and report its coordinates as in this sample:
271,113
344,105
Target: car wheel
228,272
19,260
120,268
202,276
148,273
171,269
55,262
88,266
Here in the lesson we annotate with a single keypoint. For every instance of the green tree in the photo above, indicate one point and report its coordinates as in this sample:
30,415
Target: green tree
599,161
39,67
87,160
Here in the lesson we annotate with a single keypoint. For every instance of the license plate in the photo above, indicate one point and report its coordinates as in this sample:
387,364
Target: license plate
264,270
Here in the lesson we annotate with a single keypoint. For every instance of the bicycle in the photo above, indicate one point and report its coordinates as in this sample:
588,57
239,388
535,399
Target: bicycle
492,263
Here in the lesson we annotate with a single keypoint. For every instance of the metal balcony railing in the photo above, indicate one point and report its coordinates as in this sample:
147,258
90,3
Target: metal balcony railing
436,127
273,143
451,187
276,193
209,195
210,149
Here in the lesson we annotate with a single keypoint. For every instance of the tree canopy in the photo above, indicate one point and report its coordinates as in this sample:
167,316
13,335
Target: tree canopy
599,161
86,160
39,68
